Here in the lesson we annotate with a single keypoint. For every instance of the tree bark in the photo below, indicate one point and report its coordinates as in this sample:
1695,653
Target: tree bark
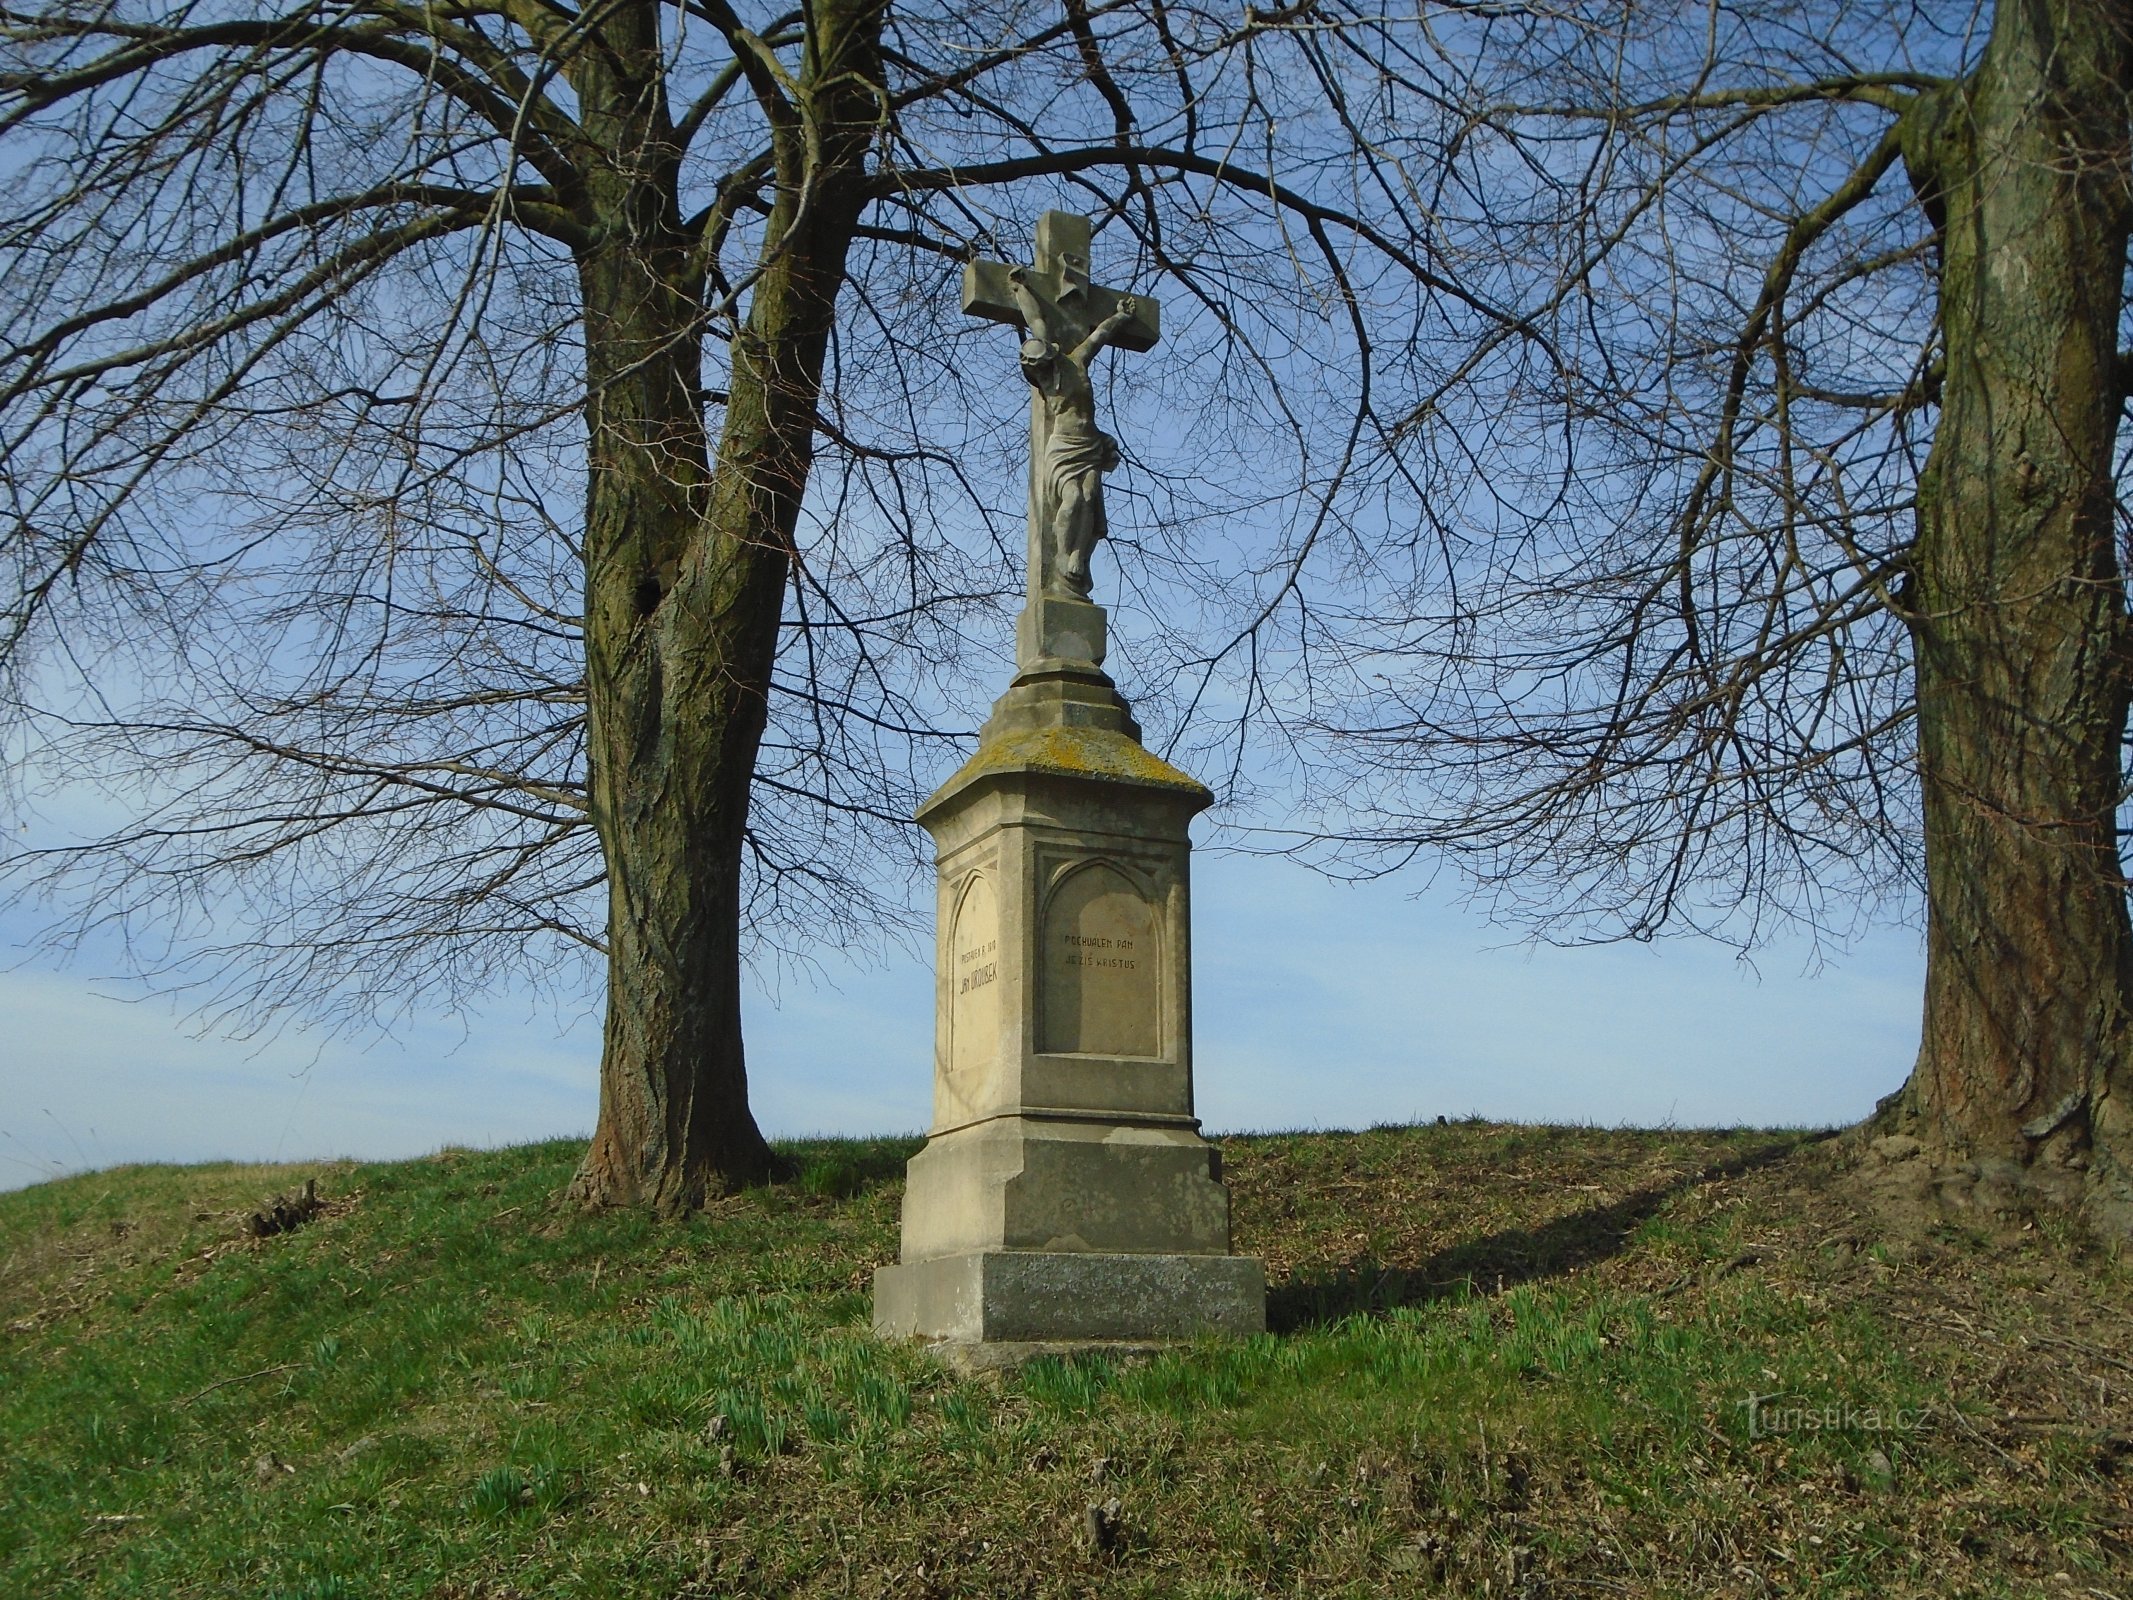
2017,609
686,559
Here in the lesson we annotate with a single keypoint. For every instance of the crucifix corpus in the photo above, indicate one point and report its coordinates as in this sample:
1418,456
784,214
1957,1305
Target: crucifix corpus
1066,320
1065,1198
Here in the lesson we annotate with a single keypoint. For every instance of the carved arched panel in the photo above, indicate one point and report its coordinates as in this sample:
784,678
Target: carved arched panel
1100,966
973,984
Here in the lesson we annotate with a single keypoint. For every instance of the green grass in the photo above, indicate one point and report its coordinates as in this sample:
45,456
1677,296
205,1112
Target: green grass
1508,1361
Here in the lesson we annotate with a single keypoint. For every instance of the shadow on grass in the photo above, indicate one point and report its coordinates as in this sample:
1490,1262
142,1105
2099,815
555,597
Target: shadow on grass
1500,1260
842,1168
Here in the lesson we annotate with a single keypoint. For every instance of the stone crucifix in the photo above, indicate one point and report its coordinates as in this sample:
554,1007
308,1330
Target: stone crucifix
1066,321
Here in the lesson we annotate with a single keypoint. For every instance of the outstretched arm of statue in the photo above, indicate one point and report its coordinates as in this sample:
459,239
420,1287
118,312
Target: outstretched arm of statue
1104,331
1036,315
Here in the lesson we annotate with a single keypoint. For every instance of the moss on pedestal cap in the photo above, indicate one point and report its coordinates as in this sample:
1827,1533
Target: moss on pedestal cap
1099,755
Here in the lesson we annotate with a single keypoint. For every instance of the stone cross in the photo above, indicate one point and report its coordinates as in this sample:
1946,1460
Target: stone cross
1066,319
1065,1198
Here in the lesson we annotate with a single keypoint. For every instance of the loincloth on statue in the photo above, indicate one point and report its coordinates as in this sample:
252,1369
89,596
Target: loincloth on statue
1073,454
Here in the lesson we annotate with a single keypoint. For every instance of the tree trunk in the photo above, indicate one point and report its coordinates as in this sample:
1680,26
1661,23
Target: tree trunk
2017,609
686,562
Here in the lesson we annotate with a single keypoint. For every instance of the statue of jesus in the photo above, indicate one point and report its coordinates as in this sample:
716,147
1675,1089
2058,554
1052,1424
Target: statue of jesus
1076,453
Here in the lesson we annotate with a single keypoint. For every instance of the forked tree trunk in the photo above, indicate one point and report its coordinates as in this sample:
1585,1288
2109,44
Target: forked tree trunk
686,559
2018,615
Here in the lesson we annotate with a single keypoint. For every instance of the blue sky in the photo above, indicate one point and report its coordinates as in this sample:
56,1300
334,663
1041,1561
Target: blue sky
1317,1004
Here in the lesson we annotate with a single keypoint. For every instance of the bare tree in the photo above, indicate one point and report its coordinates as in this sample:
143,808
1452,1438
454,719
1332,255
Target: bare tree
1786,578
499,477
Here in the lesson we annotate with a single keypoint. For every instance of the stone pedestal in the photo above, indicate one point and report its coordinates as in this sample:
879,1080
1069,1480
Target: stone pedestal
1065,1195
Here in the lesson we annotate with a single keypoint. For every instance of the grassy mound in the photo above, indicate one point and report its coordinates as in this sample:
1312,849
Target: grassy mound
1508,1361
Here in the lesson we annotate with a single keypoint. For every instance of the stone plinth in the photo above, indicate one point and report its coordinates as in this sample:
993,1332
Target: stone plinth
1059,1297
1056,634
1065,1194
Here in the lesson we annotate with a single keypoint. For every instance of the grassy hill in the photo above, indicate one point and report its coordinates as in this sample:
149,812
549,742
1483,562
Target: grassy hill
1508,1362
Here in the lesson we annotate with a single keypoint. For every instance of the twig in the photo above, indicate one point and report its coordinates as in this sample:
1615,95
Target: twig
1955,1410
2079,1348
247,1377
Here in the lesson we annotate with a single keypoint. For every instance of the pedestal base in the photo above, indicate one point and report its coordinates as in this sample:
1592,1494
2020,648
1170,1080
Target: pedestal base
1046,1186
1061,1298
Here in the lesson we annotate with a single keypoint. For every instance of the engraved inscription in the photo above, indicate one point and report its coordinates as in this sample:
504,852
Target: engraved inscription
974,995
1102,981
976,965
